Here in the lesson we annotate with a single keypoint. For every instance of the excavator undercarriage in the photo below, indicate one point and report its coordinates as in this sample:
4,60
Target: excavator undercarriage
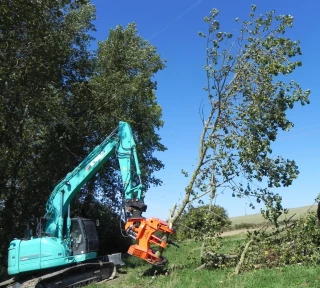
77,275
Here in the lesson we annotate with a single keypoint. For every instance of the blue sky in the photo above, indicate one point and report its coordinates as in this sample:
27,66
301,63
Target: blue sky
173,26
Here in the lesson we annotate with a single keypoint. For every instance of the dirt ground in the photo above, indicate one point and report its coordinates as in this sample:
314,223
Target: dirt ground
236,232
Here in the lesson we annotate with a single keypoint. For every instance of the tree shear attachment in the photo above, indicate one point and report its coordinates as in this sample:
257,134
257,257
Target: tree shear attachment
143,230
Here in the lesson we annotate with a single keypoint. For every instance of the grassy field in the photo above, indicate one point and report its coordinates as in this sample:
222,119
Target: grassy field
139,274
258,219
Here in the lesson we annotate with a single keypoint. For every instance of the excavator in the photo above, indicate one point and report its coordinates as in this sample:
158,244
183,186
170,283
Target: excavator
64,251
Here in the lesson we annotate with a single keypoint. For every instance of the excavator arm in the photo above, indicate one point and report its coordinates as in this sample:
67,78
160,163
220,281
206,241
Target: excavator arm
126,153
138,227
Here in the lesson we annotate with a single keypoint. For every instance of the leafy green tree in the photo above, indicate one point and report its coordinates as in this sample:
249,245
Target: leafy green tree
43,61
249,92
123,89
197,221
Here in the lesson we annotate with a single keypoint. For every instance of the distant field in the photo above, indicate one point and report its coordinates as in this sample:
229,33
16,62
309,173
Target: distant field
258,219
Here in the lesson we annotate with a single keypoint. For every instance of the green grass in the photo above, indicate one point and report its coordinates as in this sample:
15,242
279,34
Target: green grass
187,278
258,219
186,258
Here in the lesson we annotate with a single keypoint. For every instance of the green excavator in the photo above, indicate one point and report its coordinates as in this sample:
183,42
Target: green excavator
64,251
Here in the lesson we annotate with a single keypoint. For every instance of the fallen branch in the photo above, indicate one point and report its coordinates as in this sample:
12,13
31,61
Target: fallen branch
221,256
243,254
207,264
216,260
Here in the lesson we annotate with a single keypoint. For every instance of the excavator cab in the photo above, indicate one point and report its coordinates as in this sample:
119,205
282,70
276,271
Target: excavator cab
84,237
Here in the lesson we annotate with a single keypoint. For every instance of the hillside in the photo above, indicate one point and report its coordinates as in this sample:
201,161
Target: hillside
258,219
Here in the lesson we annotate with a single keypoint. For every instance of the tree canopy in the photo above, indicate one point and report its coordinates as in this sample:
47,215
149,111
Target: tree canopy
201,220
123,89
43,60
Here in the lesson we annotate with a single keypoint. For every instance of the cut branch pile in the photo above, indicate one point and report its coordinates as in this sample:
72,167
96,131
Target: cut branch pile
298,243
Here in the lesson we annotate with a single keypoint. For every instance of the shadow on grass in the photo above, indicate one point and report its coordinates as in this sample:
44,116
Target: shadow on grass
148,270
166,270
132,262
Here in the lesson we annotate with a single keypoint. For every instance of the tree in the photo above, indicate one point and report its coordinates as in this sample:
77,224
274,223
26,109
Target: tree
248,94
198,221
43,60
123,89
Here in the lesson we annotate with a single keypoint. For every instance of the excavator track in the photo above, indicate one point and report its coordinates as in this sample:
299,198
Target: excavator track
75,276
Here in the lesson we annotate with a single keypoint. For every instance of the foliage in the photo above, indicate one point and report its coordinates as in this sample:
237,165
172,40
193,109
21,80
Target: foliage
297,243
43,60
123,89
273,209
294,242
58,100
197,222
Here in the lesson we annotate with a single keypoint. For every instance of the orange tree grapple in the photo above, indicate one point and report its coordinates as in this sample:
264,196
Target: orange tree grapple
143,230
